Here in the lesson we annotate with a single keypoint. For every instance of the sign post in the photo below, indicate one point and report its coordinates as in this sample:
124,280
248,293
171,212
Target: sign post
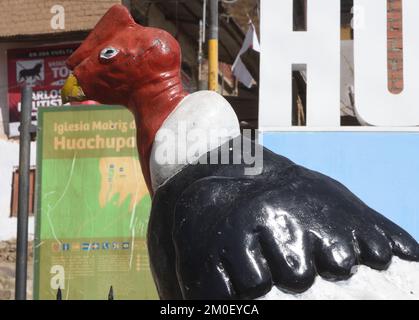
213,47
23,202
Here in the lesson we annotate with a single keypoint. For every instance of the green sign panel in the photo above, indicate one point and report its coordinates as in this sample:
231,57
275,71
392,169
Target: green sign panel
93,206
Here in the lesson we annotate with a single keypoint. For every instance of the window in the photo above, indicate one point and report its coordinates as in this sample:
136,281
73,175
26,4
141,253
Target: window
15,192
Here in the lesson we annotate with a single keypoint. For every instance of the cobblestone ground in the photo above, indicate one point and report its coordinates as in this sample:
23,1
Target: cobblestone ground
7,270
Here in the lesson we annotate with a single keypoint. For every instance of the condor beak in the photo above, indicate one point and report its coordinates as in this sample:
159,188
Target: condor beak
71,91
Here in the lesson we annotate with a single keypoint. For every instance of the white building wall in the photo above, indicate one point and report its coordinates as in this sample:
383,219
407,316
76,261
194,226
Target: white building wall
9,159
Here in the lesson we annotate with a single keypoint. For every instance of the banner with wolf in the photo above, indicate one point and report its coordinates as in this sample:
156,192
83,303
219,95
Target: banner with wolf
42,68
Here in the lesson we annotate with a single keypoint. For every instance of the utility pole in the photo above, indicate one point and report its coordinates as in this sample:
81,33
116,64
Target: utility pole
202,85
23,198
213,47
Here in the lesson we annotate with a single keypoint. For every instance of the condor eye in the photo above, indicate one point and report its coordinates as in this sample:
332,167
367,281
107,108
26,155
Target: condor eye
108,53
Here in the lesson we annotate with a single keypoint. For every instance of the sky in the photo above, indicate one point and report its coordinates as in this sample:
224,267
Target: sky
381,168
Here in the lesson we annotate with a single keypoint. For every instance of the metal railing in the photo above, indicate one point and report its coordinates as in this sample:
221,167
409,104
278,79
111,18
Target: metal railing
59,295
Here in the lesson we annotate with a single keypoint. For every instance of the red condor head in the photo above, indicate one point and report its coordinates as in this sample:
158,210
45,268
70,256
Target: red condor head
121,58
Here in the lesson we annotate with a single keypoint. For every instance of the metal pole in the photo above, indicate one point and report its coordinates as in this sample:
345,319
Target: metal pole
201,85
213,47
204,20
23,198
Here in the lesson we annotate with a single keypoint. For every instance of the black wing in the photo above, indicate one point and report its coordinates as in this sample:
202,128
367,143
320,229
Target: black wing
217,233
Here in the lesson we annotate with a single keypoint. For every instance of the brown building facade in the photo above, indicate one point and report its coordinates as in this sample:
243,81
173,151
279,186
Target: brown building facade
26,18
30,24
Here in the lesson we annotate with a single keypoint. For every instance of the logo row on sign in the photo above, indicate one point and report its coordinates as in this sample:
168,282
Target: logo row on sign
91,246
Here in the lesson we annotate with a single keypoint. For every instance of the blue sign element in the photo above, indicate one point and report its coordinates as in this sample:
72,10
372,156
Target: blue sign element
381,168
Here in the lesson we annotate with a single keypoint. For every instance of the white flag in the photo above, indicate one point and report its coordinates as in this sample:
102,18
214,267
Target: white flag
239,69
